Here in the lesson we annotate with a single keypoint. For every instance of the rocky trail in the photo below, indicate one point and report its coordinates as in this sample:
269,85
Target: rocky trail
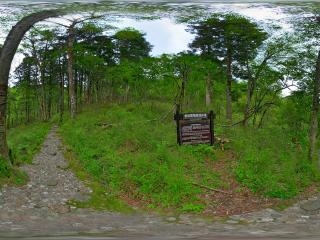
39,209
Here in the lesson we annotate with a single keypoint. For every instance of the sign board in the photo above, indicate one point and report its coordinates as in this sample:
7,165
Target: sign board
194,128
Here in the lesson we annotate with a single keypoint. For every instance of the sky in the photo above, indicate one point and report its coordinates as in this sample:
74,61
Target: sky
164,34
167,36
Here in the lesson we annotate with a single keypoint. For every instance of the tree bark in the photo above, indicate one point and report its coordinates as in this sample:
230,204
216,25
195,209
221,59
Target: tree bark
228,87
27,101
314,112
7,53
209,89
61,92
71,79
251,86
250,90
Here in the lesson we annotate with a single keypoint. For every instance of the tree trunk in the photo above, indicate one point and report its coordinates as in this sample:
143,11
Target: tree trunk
80,87
72,89
314,112
228,87
89,91
61,93
250,90
7,53
27,101
50,96
209,89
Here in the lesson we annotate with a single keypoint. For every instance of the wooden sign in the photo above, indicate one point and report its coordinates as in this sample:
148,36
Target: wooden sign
194,128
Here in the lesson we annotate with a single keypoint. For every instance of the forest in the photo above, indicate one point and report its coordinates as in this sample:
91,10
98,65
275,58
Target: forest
114,104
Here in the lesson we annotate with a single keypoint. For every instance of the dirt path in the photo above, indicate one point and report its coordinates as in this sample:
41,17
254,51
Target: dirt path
39,209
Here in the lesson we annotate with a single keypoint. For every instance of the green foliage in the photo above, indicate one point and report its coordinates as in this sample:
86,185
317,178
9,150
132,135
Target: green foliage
24,141
228,34
99,198
131,44
270,163
132,151
5,169
11,174
193,208
293,116
203,151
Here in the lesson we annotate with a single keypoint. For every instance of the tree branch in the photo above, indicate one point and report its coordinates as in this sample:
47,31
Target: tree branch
211,189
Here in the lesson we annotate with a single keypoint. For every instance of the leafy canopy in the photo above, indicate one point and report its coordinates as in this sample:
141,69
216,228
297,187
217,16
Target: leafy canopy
227,34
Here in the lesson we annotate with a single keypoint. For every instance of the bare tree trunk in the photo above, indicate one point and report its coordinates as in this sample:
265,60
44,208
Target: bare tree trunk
209,89
27,102
80,87
251,86
41,83
71,79
314,112
184,76
89,91
7,53
250,90
228,87
61,93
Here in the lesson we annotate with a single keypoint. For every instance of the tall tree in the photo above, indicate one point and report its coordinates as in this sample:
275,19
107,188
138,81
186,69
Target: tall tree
314,111
71,79
70,42
231,40
261,75
131,45
6,56
312,31
94,52
307,32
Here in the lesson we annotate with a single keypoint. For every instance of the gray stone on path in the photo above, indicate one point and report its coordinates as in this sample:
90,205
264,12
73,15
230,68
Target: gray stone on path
52,182
81,197
54,153
63,165
311,205
171,219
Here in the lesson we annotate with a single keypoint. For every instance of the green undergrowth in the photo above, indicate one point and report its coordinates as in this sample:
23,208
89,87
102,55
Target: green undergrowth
131,151
100,198
11,174
273,163
24,142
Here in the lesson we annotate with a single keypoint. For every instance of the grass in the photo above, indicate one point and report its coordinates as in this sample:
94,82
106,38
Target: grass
24,142
99,198
11,175
269,162
128,154
131,152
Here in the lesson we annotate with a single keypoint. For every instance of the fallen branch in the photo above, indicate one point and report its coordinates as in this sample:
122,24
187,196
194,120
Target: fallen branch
105,125
211,189
230,125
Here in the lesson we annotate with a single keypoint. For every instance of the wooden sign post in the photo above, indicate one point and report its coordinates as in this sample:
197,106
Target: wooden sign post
195,128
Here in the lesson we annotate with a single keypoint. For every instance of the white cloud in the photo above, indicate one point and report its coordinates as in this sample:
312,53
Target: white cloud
165,35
